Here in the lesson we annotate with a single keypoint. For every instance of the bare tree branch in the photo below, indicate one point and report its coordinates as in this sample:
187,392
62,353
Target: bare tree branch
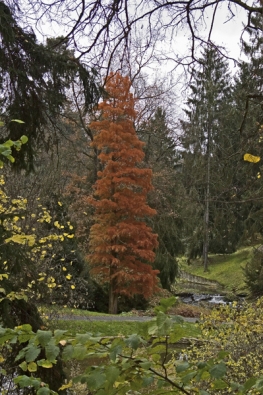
100,30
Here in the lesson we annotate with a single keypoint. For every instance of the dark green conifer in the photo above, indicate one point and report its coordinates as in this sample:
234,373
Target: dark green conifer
33,83
207,172
161,156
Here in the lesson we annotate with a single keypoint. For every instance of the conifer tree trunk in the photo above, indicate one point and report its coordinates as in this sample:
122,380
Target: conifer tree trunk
207,197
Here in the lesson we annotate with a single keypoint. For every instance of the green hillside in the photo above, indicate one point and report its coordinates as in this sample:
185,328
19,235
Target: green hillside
227,270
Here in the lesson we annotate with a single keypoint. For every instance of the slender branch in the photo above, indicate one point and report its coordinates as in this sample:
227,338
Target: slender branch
170,381
74,27
212,23
250,96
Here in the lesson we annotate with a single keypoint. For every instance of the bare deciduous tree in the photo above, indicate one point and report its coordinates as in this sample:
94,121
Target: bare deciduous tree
100,30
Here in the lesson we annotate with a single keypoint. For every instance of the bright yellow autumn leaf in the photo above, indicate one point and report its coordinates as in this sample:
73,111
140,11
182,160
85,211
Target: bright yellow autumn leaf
65,386
50,279
251,158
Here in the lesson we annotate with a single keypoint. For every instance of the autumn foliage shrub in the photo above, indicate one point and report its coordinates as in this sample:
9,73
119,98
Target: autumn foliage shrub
38,261
237,330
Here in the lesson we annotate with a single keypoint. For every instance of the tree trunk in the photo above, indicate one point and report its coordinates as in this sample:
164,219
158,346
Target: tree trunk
207,208
113,300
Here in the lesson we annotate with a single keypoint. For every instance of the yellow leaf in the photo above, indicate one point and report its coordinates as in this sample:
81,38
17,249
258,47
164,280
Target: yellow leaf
64,268
251,158
60,204
65,386
32,367
53,285
22,239
68,276
46,364
50,280
73,287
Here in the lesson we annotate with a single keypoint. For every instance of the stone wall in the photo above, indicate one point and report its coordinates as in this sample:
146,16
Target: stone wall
190,278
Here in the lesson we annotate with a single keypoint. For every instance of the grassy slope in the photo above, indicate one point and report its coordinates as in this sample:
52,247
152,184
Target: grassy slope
225,269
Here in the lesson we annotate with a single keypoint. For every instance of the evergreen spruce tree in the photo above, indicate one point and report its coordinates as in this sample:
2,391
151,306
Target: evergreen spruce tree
248,97
162,157
207,140
33,84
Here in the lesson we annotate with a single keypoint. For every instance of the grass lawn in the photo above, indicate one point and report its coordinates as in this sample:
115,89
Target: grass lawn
225,269
56,312
53,317
105,328
116,328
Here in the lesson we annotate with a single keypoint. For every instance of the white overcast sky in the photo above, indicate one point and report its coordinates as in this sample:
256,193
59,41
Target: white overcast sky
228,33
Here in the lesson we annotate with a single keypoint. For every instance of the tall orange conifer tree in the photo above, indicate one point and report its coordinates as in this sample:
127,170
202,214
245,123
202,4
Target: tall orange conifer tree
121,244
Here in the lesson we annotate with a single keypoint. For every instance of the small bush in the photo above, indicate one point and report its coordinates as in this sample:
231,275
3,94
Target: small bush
254,272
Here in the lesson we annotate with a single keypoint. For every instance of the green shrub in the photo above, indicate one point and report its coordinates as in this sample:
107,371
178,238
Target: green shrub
254,272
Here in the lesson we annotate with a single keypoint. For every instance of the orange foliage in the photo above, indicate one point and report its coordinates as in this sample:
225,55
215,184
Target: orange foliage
121,244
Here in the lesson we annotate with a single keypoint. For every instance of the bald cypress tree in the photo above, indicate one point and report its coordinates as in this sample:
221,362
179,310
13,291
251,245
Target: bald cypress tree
121,244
